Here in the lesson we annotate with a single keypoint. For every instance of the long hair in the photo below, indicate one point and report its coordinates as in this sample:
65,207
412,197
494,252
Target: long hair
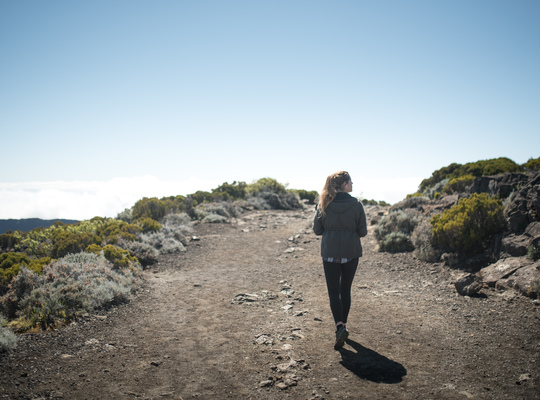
333,184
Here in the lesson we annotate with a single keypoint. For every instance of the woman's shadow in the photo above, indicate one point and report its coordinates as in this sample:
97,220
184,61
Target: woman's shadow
370,365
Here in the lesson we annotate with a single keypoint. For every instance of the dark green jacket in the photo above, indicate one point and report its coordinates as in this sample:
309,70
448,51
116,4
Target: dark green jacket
342,227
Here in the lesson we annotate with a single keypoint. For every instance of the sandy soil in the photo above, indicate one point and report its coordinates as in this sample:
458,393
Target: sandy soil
244,314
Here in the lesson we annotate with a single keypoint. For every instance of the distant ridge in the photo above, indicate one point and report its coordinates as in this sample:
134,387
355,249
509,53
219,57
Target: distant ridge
27,224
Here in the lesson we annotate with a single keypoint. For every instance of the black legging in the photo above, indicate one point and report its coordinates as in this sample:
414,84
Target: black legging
339,279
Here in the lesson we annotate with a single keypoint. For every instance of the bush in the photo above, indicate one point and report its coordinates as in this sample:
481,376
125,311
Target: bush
181,219
144,252
8,241
468,227
112,230
265,185
533,164
393,231
163,242
459,184
8,340
148,224
19,288
277,201
422,240
479,168
125,216
77,283
396,242
10,265
396,221
120,258
310,196
178,226
149,208
234,191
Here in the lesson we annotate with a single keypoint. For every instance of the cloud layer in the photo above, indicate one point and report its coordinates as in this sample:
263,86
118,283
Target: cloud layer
84,200
87,199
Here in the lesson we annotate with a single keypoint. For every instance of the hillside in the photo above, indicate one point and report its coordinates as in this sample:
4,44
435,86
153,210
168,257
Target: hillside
244,314
28,224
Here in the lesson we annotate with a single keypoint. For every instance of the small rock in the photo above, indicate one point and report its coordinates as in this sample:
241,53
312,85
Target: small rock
266,383
523,378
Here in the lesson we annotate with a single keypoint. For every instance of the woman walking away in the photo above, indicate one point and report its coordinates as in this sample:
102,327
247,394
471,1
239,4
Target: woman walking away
341,221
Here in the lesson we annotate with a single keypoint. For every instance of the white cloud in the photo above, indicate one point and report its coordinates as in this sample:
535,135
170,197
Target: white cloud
87,199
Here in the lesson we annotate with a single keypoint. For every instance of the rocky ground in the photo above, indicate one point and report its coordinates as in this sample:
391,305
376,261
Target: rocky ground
244,314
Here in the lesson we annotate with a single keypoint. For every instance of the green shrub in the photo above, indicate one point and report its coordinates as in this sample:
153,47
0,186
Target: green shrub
120,258
8,241
396,242
265,185
148,225
10,264
468,227
479,168
367,202
149,208
310,196
113,230
226,191
71,243
533,164
459,184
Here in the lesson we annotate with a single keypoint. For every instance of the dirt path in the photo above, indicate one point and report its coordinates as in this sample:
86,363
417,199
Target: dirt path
243,314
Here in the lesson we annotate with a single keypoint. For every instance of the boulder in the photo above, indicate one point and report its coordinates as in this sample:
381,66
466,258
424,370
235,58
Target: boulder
499,185
525,280
523,209
515,245
533,230
468,285
502,269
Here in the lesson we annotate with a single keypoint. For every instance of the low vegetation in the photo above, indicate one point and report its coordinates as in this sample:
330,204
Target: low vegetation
50,276
464,230
468,227
458,174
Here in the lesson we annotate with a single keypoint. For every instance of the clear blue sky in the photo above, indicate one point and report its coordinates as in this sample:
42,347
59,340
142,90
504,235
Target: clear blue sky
104,102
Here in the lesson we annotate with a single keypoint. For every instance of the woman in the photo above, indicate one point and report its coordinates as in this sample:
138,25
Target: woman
341,221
